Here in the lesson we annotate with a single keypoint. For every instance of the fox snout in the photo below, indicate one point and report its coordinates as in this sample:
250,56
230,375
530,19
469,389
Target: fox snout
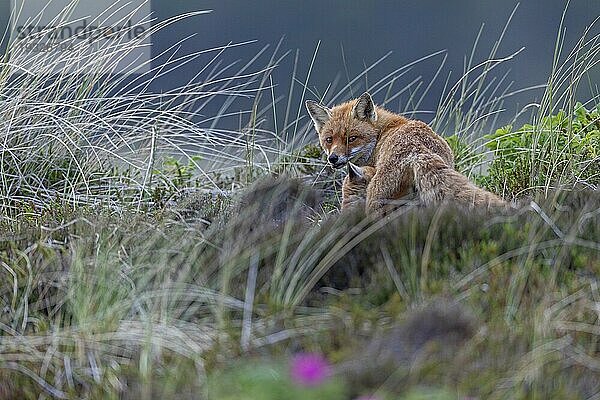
337,160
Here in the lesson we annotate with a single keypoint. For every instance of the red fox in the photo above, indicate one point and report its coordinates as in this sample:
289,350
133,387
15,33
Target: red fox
366,135
434,181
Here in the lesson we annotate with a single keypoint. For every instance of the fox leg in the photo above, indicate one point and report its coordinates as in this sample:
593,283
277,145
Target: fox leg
353,201
389,182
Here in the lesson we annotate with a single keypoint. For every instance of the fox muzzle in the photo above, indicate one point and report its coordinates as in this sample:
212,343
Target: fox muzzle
337,161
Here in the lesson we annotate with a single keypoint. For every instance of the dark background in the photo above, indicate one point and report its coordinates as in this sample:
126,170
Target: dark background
367,30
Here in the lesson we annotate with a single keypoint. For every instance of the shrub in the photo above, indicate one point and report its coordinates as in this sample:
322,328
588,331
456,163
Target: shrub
561,150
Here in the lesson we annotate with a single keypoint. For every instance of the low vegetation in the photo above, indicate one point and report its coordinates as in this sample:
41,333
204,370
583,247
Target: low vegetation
560,150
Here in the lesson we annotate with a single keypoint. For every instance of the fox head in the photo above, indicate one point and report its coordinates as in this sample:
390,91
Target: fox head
347,132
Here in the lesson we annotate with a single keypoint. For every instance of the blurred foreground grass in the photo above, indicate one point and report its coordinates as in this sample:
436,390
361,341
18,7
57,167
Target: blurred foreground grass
100,306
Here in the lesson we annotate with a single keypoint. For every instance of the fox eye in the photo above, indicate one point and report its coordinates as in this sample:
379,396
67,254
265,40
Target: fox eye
329,140
352,139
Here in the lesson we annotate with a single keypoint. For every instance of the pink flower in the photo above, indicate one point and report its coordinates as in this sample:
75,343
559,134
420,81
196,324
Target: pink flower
367,397
308,369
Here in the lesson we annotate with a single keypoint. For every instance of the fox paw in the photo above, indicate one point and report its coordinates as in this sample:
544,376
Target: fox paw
375,207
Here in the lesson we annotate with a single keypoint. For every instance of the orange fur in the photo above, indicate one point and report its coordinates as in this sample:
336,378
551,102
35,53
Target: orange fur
434,182
366,135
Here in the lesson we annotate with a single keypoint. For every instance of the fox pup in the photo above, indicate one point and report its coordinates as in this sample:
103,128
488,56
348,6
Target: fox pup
434,182
360,132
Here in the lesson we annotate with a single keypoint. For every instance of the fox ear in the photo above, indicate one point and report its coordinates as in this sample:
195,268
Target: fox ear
318,113
364,109
355,172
